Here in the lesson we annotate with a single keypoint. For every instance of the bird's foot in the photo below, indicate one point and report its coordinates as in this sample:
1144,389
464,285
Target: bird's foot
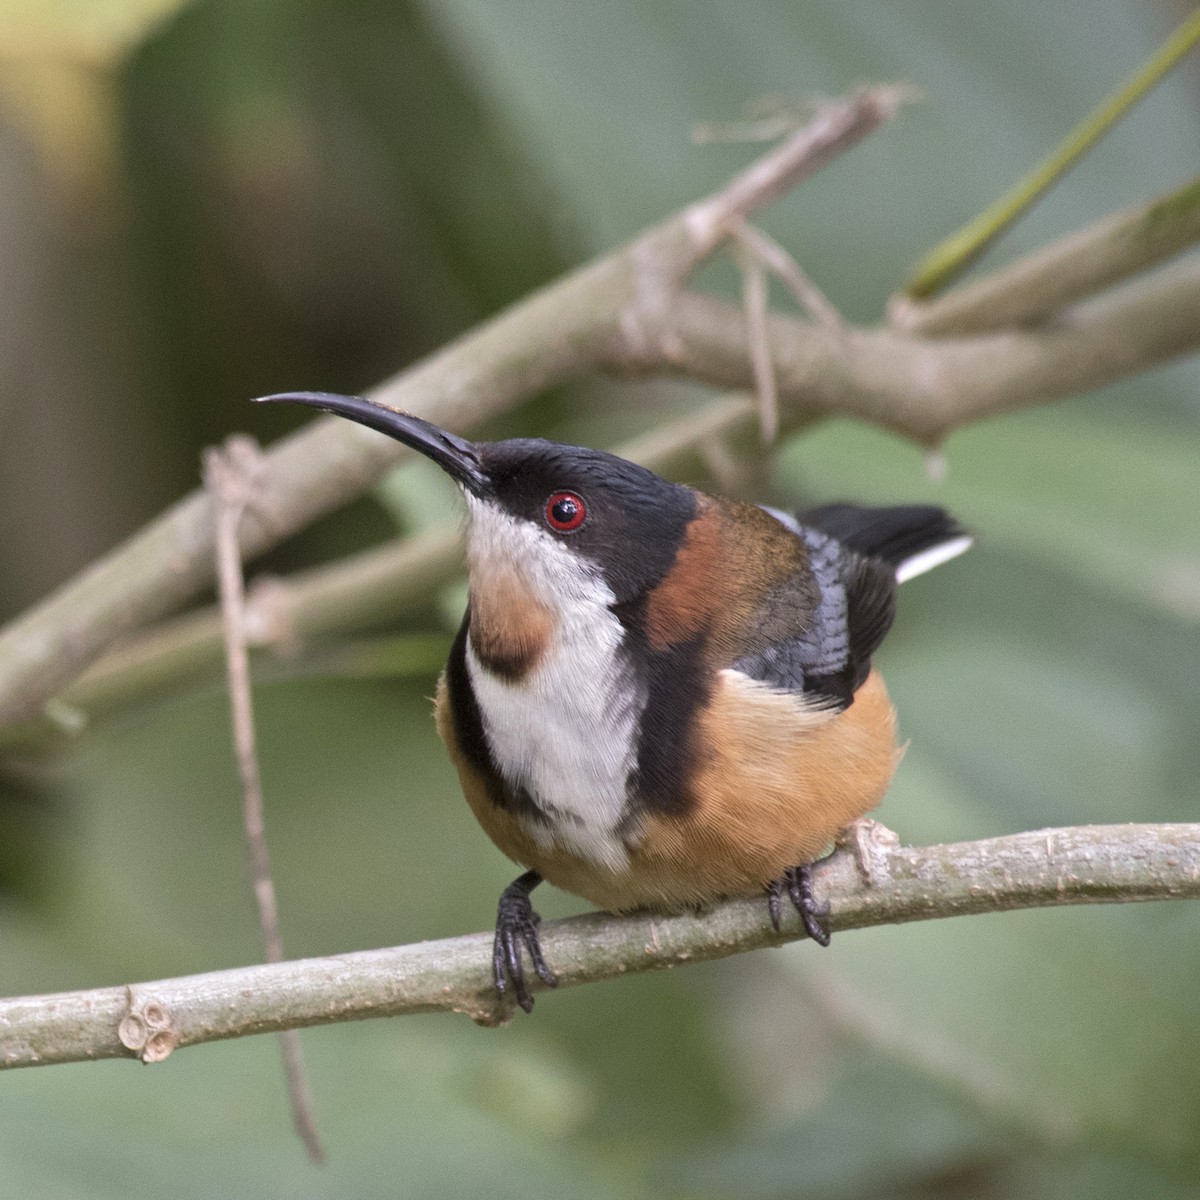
516,926
797,882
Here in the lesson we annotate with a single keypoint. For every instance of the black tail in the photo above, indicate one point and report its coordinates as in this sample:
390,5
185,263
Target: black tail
897,535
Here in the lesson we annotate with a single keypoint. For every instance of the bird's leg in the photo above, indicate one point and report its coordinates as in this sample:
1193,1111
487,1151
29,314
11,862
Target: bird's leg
798,883
516,925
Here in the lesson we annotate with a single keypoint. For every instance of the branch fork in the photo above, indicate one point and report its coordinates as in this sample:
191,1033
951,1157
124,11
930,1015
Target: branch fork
630,313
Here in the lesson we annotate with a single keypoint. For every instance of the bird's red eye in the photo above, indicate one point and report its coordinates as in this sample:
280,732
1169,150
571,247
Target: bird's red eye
565,511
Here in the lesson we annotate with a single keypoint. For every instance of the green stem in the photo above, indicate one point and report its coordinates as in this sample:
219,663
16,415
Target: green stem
1063,273
950,259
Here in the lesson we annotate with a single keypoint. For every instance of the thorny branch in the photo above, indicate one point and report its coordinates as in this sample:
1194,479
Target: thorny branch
631,312
1083,865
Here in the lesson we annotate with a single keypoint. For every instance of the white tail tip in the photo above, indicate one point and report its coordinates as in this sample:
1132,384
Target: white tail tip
910,568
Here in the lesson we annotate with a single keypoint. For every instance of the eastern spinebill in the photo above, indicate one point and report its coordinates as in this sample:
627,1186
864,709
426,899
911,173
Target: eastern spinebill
659,698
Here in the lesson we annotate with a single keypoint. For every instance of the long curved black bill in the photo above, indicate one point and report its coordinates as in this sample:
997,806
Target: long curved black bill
456,456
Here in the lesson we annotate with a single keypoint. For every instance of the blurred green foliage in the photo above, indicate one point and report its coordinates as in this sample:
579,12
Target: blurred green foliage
200,202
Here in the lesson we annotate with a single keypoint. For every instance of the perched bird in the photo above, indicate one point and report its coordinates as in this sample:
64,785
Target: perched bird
659,698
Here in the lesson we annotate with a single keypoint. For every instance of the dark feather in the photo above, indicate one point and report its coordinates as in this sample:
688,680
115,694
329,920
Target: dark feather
892,534
853,553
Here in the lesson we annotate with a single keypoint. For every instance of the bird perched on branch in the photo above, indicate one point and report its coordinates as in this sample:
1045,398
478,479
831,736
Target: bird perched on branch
658,698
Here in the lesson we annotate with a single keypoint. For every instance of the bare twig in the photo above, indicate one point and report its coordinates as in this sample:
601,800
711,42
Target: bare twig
757,255
775,258
1083,865
727,469
281,614
232,475
767,119
754,306
833,130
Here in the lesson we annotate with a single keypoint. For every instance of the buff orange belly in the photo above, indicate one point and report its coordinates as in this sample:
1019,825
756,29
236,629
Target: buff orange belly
777,782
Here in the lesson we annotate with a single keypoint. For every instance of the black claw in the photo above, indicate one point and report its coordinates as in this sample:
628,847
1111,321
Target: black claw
798,882
516,926
774,893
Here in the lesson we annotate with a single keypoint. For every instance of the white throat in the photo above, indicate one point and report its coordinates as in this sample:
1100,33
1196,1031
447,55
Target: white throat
566,730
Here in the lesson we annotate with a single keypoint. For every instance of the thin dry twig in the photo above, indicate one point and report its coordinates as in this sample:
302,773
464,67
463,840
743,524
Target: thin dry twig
767,119
232,475
729,470
758,254
835,127
924,389
775,258
754,303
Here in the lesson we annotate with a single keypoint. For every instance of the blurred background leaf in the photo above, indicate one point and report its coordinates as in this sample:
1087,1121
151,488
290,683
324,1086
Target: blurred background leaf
58,62
202,202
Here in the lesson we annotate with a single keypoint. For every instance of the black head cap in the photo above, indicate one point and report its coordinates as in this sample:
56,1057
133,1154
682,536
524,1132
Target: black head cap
623,518
633,521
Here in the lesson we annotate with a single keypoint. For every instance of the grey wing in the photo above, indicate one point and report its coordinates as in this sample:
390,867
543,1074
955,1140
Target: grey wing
828,655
